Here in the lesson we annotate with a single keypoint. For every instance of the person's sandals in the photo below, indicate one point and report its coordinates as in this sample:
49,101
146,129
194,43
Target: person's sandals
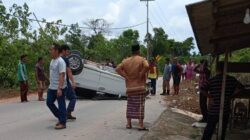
129,127
60,126
57,123
41,99
70,117
143,129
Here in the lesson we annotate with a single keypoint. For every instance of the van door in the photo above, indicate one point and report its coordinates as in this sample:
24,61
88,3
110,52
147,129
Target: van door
88,79
112,84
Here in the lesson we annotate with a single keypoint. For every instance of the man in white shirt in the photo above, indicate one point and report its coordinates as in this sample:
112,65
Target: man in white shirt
183,75
57,88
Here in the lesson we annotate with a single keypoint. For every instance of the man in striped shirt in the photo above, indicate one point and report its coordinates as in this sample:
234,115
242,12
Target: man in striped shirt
212,89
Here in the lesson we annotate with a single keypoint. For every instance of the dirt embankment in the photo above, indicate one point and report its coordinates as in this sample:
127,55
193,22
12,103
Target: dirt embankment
187,100
9,95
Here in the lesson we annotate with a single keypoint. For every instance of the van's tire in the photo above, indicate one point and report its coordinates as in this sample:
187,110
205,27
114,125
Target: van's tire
76,64
76,52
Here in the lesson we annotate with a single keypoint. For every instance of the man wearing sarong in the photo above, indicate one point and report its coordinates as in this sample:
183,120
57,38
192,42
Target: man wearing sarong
134,70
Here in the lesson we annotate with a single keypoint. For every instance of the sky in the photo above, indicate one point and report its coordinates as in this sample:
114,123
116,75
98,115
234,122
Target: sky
169,14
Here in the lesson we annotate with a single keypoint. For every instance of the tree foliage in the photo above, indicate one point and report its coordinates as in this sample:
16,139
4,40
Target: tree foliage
17,36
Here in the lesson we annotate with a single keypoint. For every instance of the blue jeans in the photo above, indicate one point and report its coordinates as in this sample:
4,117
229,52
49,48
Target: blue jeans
59,112
71,96
153,85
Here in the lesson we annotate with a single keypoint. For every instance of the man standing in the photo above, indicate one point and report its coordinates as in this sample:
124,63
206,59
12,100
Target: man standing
153,74
71,94
183,75
23,78
212,89
204,72
176,72
40,78
58,87
134,70
166,77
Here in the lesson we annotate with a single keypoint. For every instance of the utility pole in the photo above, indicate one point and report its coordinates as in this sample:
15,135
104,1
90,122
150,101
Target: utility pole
149,53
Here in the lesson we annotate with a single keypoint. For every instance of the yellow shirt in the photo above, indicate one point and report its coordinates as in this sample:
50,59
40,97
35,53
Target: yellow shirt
153,74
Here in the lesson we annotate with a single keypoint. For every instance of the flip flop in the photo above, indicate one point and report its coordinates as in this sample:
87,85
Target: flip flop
129,127
143,129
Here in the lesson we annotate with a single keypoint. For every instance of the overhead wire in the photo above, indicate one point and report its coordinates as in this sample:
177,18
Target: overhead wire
162,11
161,18
81,27
151,24
151,14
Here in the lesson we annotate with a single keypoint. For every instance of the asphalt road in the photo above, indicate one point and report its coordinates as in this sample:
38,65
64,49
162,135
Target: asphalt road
96,120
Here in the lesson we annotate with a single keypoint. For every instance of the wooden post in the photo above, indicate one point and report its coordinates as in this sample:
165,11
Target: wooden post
222,100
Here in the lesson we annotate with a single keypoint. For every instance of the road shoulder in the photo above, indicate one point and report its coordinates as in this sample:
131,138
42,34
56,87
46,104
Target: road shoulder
173,126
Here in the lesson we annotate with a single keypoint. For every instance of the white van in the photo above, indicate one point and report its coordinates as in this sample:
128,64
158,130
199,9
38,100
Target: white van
96,79
93,78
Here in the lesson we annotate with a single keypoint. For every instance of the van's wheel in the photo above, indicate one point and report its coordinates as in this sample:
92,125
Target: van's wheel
76,52
76,64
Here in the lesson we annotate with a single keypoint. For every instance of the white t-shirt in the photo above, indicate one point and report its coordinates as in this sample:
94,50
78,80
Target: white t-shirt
57,66
184,68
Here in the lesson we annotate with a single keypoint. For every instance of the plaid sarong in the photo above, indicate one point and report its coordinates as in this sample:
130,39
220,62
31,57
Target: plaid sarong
136,105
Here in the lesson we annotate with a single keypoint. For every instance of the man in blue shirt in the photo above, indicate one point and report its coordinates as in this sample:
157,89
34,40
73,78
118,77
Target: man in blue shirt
71,94
166,77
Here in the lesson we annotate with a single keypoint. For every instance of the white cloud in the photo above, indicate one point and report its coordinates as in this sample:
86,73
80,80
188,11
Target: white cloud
113,12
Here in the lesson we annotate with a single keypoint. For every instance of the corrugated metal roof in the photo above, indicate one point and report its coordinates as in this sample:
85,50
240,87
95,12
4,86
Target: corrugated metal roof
218,25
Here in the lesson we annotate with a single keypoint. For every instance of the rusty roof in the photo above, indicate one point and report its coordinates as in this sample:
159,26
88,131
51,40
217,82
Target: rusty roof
219,24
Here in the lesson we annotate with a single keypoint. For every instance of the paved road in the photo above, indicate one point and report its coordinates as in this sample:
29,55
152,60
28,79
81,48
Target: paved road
96,120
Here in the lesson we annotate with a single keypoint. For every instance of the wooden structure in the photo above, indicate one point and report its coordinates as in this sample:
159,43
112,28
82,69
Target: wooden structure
218,24
221,27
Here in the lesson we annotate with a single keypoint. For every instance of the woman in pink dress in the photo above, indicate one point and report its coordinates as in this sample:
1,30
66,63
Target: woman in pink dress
189,70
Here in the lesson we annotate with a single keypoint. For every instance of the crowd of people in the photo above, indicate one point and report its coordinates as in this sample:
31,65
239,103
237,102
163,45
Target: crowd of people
136,70
172,70
210,89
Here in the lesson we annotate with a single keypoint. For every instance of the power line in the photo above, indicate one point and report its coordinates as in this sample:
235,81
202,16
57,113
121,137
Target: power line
81,27
162,19
156,19
162,11
151,24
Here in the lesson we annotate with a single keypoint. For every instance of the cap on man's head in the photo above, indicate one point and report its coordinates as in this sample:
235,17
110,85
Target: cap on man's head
23,56
135,48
